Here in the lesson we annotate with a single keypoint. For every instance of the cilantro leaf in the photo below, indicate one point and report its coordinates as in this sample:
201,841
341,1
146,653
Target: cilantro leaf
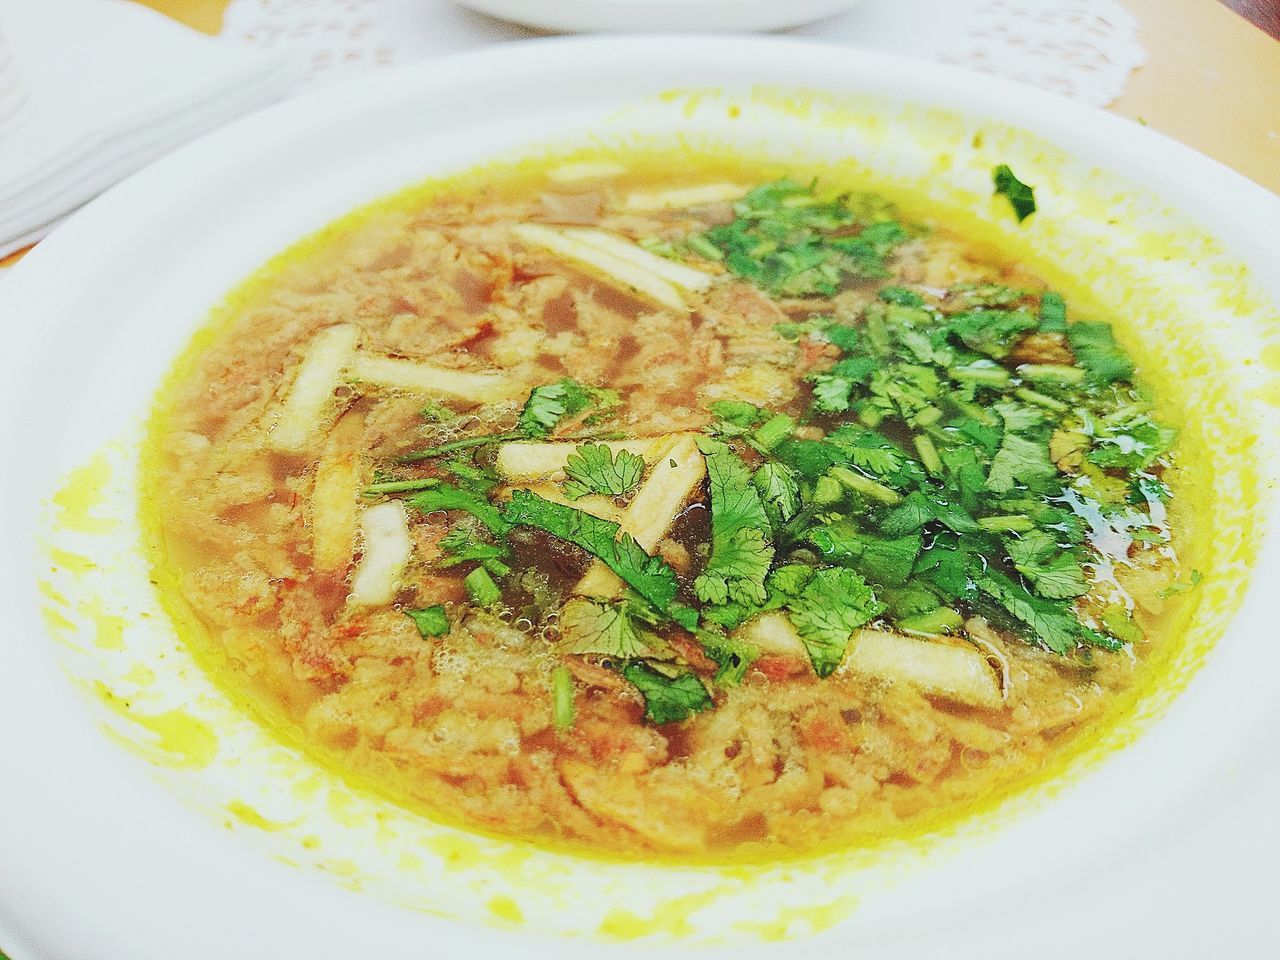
1053,623
1022,197
732,655
880,560
740,549
902,296
462,547
1053,312
792,243
668,699
430,621
549,403
832,605
1095,347
594,626
919,509
782,585
648,576
1021,461
1119,623
594,468
1135,445
1052,571
448,497
1017,417
778,491
992,332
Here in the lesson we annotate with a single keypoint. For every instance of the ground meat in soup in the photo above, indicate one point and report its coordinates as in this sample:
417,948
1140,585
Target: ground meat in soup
654,509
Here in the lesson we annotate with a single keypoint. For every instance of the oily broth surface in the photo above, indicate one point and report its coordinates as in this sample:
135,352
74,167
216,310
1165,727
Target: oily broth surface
461,726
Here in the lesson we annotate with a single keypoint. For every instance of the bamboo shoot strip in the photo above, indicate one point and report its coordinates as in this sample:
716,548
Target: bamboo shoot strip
420,377
537,461
385,538
647,201
673,479
335,495
622,272
951,670
623,249
305,408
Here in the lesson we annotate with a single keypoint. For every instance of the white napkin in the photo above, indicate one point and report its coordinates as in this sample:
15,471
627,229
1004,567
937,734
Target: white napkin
92,90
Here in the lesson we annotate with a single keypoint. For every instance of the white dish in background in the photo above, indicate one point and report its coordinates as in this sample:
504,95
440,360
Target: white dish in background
221,841
660,15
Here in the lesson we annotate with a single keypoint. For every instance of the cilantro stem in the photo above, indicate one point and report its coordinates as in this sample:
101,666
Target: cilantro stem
865,486
704,247
1041,400
464,444
928,454
927,416
562,709
992,376
774,431
1058,373
1007,523
937,620
877,335
481,588
971,410
399,486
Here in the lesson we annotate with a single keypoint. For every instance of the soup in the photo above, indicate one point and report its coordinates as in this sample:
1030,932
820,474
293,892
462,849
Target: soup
659,510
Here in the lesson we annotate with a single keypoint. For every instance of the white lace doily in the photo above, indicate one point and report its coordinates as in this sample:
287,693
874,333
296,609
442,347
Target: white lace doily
1084,49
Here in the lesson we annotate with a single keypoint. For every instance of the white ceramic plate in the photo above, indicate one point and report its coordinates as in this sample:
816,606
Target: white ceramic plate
144,817
660,15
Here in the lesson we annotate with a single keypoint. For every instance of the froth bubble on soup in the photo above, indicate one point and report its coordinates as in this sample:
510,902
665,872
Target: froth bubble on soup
657,509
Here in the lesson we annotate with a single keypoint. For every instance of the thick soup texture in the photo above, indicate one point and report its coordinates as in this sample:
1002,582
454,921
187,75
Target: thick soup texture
660,513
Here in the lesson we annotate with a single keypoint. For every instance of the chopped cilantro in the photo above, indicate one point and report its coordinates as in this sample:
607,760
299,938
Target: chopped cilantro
1095,347
668,699
1135,445
463,546
1119,623
1021,196
992,332
901,296
792,243
596,626
481,588
1053,623
648,576
1179,586
740,548
448,497
779,492
832,605
1053,313
1022,461
879,560
594,468
550,403
430,621
1053,572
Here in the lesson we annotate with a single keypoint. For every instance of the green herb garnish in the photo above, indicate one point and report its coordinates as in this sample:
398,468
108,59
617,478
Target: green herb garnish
430,621
1021,196
594,468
